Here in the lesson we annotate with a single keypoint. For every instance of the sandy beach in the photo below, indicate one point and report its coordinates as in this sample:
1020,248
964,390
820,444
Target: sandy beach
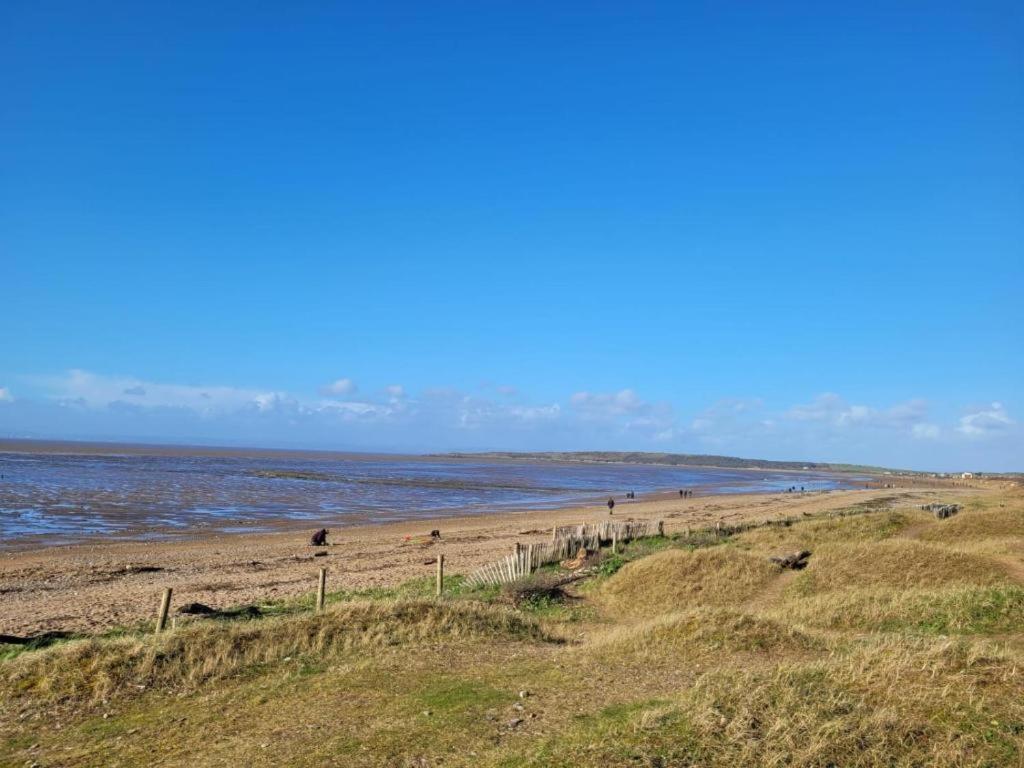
97,585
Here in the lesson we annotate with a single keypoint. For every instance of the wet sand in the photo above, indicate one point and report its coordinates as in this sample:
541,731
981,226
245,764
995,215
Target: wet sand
52,494
97,585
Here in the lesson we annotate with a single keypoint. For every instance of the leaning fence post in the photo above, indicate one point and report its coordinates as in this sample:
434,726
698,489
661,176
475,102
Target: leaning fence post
440,574
165,606
321,590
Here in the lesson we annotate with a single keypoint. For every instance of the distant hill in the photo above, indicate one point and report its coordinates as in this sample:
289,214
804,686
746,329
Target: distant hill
671,459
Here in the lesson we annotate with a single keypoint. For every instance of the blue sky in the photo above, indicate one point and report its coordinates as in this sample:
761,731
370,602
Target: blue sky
788,230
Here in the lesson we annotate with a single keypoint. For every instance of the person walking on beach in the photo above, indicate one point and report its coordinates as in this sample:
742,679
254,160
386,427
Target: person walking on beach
611,505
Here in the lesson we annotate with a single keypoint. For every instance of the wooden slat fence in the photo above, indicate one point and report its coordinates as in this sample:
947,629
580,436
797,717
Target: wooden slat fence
566,542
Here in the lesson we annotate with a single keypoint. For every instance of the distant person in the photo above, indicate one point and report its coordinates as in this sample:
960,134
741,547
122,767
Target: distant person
319,539
611,505
682,493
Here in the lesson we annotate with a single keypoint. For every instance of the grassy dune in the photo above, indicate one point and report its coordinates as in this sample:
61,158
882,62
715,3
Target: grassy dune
901,644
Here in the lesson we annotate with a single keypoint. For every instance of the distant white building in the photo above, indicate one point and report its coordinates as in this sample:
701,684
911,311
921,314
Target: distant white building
966,475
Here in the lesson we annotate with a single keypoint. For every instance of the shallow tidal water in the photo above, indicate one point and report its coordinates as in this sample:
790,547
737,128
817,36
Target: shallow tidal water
72,496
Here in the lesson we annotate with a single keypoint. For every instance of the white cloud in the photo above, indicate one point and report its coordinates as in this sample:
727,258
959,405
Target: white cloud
442,406
471,412
624,407
624,410
85,389
598,405
821,409
349,409
730,422
535,412
339,388
830,408
826,428
984,421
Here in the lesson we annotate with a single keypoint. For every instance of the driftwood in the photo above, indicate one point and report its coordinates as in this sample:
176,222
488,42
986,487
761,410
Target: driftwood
197,609
577,562
37,641
545,586
201,610
796,561
942,511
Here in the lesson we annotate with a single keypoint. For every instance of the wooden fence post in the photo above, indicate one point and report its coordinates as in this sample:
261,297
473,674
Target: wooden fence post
321,590
440,574
165,606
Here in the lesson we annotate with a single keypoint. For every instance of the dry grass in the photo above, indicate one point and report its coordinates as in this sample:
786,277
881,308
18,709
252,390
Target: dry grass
980,525
954,610
902,644
675,580
700,633
87,671
834,530
896,564
878,704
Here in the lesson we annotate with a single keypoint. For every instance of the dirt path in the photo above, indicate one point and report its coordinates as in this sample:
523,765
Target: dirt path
914,531
771,594
1014,566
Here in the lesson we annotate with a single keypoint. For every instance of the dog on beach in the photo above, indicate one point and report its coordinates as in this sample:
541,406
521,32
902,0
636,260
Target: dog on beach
319,538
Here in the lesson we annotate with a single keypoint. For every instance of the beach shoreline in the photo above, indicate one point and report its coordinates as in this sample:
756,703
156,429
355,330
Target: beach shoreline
62,493
95,585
